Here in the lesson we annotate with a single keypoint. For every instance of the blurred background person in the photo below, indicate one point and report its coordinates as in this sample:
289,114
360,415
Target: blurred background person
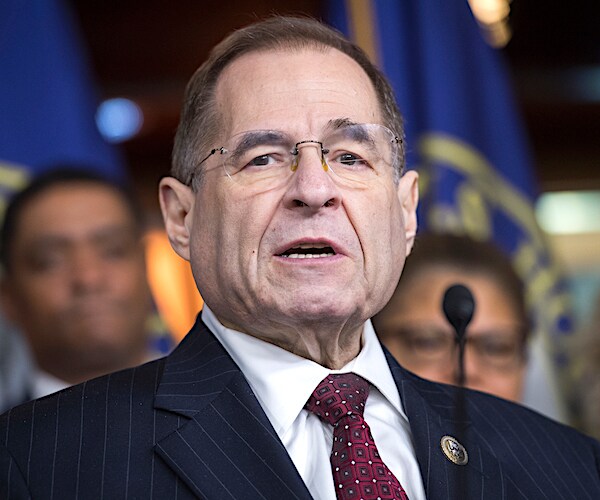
74,277
413,326
584,399
16,368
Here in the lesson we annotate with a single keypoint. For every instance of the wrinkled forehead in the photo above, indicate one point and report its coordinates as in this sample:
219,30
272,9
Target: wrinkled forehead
294,89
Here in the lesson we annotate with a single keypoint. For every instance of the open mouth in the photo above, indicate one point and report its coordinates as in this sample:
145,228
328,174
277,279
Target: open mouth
308,251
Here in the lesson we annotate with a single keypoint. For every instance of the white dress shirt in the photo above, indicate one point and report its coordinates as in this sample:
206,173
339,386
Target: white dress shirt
283,382
44,384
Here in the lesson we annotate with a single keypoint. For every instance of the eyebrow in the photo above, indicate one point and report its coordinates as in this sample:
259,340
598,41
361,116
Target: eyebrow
338,123
352,130
359,131
255,138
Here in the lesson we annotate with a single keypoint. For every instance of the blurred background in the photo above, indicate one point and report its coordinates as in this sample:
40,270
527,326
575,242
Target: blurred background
139,56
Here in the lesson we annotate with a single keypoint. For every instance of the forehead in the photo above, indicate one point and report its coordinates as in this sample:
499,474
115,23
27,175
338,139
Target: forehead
73,209
426,290
298,90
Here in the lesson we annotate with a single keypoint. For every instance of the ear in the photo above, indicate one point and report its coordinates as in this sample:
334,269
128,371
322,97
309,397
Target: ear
177,203
408,194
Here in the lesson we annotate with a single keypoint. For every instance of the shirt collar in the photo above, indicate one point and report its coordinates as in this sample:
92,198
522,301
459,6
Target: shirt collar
44,384
283,381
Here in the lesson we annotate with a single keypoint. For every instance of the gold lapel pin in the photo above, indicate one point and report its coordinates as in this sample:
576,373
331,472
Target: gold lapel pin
454,451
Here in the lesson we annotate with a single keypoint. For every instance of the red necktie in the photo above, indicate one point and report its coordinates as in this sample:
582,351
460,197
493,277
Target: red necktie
358,470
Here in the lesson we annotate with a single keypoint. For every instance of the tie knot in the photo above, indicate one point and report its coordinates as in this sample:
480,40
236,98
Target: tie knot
337,396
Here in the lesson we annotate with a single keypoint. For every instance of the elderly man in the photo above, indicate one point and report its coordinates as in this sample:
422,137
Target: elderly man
288,199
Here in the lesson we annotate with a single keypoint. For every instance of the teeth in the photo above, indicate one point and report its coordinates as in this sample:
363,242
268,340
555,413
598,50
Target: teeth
310,245
307,255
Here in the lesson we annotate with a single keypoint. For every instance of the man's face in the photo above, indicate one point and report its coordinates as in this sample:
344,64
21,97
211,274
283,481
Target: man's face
413,327
77,287
240,235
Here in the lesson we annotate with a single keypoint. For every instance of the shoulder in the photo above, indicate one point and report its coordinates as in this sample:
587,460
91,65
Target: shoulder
123,388
503,427
508,420
511,446
94,434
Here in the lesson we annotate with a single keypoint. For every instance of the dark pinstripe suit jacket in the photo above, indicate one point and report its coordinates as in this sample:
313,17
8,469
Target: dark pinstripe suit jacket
189,426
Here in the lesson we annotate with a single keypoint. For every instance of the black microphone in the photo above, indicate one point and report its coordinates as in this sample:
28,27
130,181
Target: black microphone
459,306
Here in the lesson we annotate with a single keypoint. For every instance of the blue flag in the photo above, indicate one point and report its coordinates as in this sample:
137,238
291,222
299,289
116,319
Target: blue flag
47,97
464,136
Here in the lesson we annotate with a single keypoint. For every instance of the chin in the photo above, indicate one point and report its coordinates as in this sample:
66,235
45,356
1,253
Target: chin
327,310
104,336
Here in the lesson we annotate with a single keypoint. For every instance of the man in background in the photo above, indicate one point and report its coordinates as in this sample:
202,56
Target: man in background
415,330
74,277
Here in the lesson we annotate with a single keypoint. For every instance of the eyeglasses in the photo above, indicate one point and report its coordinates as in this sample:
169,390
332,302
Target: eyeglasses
495,349
354,154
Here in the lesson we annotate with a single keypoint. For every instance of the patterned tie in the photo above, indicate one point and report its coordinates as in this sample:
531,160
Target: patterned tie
358,471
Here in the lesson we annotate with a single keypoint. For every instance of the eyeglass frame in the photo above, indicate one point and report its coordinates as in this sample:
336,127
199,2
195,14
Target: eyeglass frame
399,141
408,333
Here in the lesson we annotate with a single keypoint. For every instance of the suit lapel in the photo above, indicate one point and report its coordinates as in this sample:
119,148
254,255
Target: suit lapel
226,448
430,411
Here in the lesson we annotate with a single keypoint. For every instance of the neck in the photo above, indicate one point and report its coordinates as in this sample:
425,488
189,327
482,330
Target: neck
75,373
332,350
329,346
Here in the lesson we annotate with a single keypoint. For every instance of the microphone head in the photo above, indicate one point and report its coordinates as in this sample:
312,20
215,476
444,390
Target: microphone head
458,306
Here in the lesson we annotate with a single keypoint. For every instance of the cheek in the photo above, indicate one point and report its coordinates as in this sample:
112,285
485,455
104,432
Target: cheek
508,385
385,238
242,225
226,235
40,297
130,283
376,216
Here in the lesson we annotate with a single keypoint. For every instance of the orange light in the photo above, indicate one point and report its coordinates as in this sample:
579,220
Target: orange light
172,284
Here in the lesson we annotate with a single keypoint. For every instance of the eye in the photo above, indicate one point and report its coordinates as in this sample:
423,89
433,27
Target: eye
261,161
262,158
428,344
350,159
47,263
117,250
497,347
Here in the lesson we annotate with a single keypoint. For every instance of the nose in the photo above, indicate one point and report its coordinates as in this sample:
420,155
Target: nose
472,367
87,273
312,187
